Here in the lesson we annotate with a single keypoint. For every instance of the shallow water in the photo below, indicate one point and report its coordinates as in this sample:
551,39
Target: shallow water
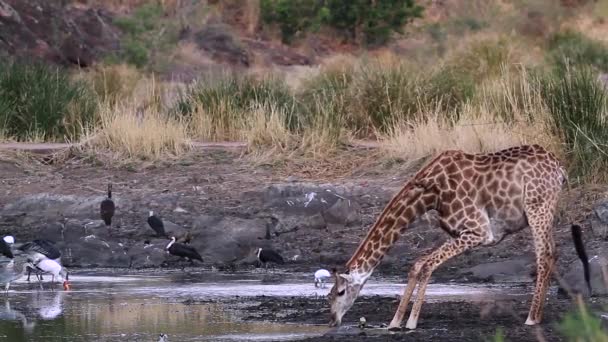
139,307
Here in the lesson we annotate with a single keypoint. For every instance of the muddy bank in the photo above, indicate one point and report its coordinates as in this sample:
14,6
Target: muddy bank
228,207
439,321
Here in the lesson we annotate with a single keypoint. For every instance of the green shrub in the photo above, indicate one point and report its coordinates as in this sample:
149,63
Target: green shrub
292,16
371,22
574,48
38,100
144,32
577,103
580,325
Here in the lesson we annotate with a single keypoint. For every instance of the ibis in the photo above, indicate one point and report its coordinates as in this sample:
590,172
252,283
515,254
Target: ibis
321,276
40,249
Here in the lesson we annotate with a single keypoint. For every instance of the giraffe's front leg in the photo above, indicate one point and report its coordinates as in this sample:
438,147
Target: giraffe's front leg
449,249
412,280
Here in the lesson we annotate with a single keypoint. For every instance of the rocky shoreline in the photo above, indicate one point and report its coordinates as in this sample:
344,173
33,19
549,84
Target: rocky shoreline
229,208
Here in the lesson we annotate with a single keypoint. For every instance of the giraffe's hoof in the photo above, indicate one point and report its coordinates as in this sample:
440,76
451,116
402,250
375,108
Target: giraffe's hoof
394,328
411,325
530,321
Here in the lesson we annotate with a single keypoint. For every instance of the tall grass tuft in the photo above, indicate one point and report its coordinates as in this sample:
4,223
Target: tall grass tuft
221,107
577,103
146,135
573,48
42,101
581,325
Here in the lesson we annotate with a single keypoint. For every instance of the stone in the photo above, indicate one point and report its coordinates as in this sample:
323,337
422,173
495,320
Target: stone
228,239
574,278
599,221
148,255
343,211
518,269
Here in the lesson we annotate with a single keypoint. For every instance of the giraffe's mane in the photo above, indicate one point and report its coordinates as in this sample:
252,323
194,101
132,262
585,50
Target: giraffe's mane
405,189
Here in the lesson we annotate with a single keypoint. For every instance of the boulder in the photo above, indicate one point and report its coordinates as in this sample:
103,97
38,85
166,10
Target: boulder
574,279
91,251
148,255
58,33
228,239
599,221
518,269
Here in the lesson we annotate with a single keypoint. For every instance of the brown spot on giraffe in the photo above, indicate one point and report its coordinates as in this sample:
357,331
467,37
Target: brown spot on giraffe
480,198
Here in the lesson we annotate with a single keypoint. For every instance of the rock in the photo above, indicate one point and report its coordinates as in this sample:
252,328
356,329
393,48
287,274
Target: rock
173,229
574,278
599,221
343,211
91,251
56,32
47,206
228,239
218,40
150,255
512,270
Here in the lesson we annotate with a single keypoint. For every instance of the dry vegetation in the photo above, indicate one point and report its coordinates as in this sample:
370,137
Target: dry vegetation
477,83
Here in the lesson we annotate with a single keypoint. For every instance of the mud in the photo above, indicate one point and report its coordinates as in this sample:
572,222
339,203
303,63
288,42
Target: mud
439,321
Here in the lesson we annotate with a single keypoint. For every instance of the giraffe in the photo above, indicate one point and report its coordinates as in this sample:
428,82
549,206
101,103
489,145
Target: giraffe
480,199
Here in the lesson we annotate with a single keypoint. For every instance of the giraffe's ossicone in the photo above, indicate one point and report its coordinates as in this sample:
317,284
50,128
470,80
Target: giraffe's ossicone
479,199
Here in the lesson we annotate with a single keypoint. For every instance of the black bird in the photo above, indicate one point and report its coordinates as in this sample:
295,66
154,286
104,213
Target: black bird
579,246
38,250
183,251
11,264
156,224
268,255
107,208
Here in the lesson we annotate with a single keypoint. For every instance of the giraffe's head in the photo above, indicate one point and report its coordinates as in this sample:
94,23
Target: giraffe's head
342,295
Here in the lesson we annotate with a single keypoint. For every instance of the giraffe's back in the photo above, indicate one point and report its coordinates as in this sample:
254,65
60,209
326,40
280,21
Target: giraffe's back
490,187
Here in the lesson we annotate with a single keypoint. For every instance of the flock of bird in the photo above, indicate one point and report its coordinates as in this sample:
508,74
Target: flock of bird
41,256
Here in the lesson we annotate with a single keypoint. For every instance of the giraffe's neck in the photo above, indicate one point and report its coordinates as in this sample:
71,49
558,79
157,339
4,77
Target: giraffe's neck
411,202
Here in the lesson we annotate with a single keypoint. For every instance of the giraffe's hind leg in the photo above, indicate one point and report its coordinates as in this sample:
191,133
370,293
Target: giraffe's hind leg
424,267
540,210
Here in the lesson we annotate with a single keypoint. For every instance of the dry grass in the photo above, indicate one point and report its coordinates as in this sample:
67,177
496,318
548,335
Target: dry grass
138,126
477,130
141,135
506,111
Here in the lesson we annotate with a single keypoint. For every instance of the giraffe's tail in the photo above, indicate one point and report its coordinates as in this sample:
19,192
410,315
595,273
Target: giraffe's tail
579,246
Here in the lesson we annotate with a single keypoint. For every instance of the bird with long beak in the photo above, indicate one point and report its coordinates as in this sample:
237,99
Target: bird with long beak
54,268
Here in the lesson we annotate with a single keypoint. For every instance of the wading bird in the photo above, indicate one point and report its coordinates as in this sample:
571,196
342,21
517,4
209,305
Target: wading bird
268,255
156,224
321,276
40,249
11,264
107,208
183,251
54,268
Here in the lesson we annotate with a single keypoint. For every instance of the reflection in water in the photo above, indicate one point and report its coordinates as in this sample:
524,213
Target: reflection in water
123,310
140,308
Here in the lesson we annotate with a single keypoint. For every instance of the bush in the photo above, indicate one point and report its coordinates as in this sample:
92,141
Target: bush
370,22
37,100
574,48
577,103
581,325
144,32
